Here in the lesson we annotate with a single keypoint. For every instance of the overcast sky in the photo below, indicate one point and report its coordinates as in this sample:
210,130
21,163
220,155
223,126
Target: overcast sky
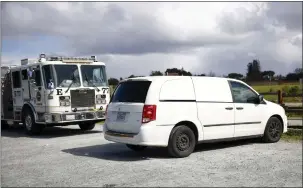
136,38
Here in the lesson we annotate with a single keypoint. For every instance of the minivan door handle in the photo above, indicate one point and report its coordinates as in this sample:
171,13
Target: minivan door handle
229,108
239,108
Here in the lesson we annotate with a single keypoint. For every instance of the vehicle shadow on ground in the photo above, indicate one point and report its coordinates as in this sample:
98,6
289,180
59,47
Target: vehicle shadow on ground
119,152
49,132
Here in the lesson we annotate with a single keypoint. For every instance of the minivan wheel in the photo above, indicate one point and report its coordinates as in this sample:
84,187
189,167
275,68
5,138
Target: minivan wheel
30,126
273,130
136,147
182,142
87,126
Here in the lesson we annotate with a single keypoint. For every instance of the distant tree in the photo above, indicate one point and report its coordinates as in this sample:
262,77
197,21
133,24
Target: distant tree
178,71
133,76
156,73
279,77
293,77
268,74
113,81
211,74
298,70
235,76
201,75
121,78
254,71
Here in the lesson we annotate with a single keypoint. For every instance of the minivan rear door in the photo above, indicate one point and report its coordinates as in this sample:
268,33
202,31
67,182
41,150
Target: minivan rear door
124,112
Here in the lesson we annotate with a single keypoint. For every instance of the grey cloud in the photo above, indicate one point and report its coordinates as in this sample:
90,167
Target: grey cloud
241,21
236,58
288,14
113,28
297,41
29,19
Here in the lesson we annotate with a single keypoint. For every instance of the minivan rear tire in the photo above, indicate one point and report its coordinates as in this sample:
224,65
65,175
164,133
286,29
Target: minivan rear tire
273,130
182,142
136,147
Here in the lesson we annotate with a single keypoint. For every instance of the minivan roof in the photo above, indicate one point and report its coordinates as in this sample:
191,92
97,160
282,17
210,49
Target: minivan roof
164,78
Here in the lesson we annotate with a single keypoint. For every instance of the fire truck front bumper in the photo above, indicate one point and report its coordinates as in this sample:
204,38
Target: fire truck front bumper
74,117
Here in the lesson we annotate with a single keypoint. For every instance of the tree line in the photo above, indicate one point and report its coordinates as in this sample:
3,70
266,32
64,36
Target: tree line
253,74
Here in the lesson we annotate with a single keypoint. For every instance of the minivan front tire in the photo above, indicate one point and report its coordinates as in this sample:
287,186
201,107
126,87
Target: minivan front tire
273,130
182,142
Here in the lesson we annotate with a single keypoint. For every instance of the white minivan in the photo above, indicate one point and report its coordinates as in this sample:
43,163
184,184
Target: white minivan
178,112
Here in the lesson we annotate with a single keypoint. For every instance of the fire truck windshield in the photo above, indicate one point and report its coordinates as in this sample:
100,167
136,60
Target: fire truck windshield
93,75
67,76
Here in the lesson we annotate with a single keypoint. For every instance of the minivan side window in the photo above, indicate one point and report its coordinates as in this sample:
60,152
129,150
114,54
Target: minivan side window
241,93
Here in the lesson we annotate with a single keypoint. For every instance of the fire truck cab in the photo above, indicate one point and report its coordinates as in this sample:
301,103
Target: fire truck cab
54,91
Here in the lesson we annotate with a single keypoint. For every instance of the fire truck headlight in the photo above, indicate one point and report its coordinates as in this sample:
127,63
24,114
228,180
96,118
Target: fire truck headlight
62,103
98,96
67,103
62,98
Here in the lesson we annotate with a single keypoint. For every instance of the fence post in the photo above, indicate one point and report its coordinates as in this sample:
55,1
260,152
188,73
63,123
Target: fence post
280,97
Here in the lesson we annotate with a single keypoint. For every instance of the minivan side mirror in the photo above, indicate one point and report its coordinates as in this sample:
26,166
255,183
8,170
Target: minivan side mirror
260,99
255,100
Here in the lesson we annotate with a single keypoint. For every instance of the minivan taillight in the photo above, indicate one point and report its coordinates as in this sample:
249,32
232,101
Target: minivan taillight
149,113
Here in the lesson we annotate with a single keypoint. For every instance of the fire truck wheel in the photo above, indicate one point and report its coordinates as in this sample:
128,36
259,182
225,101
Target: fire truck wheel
87,126
29,124
4,125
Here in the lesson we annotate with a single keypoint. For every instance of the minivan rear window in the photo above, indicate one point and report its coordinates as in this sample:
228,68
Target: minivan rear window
131,91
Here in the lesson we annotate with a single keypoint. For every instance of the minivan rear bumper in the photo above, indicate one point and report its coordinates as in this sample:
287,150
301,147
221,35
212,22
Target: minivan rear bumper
149,135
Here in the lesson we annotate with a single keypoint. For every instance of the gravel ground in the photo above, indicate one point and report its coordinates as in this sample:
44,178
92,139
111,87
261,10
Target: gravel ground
69,157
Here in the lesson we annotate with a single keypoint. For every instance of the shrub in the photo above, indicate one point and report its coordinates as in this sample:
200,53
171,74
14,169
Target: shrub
293,90
285,89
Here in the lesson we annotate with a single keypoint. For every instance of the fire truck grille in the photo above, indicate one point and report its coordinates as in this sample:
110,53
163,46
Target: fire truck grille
82,98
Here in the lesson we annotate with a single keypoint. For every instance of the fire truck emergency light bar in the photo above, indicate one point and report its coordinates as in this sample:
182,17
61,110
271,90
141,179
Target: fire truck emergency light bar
70,59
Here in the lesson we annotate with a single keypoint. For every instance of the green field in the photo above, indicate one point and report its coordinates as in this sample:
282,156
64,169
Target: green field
274,88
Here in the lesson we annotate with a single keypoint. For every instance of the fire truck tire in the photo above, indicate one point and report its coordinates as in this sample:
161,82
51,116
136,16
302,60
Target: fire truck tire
87,126
4,125
28,120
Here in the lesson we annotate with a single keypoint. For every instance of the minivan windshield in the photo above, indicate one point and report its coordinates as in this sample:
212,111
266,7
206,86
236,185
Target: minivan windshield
131,91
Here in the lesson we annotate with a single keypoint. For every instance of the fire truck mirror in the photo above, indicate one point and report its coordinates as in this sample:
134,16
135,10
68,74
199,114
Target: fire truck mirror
31,74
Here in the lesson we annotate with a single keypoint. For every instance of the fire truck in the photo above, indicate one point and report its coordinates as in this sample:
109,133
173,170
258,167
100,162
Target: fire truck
54,91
